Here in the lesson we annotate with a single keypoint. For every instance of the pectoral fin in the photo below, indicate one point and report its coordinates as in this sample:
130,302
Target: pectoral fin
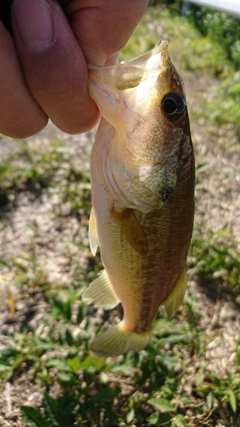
132,230
100,293
93,238
175,299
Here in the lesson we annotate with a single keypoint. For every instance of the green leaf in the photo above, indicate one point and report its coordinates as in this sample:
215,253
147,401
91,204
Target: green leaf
233,400
179,421
91,365
60,365
130,415
209,400
74,364
162,405
122,368
4,263
173,339
69,338
99,364
54,411
164,420
33,416
82,312
88,363
65,377
153,418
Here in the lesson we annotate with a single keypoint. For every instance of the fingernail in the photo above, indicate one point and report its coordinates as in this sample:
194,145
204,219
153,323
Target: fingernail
34,24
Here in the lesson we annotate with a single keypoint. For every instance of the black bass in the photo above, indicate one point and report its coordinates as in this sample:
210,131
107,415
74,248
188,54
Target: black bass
142,176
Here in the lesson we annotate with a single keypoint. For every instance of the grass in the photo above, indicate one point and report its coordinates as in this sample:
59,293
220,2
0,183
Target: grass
215,258
128,391
170,383
37,167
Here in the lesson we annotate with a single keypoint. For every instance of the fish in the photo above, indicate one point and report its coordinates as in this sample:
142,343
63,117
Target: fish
142,181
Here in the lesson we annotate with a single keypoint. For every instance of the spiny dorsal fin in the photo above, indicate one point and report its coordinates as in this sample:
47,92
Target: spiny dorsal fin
132,230
175,299
100,293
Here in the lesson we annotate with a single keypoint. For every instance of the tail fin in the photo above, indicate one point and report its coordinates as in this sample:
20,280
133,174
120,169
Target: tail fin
118,340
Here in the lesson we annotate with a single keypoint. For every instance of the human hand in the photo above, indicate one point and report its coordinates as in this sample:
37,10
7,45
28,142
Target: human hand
43,71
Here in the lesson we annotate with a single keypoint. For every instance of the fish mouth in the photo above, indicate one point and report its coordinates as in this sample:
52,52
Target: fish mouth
159,47
129,74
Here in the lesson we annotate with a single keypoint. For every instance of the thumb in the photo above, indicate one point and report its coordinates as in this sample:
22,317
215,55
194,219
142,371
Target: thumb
103,27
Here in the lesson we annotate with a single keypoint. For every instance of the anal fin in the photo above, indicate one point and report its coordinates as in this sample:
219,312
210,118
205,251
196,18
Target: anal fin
100,293
132,229
175,299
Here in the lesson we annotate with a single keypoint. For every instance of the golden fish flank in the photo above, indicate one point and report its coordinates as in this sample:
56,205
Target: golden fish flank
142,174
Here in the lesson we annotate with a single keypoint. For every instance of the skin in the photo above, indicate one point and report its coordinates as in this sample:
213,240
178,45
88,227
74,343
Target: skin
45,75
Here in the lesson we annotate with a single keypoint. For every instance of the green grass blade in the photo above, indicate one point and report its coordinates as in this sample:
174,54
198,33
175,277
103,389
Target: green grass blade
33,416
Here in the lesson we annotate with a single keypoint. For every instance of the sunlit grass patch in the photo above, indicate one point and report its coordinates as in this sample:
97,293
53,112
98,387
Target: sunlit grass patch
225,105
50,166
29,167
191,50
216,259
221,27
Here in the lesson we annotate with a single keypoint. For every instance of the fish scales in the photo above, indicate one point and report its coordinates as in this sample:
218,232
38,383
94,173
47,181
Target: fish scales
142,175
149,281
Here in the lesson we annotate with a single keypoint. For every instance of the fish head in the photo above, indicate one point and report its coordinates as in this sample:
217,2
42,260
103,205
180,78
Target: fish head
144,101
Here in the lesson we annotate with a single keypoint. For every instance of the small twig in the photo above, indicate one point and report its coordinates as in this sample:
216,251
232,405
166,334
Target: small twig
8,397
11,303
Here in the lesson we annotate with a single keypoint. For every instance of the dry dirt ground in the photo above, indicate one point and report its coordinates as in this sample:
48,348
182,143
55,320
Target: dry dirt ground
217,204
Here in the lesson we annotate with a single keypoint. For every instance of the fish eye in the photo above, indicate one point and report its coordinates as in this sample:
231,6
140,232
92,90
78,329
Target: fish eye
173,106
